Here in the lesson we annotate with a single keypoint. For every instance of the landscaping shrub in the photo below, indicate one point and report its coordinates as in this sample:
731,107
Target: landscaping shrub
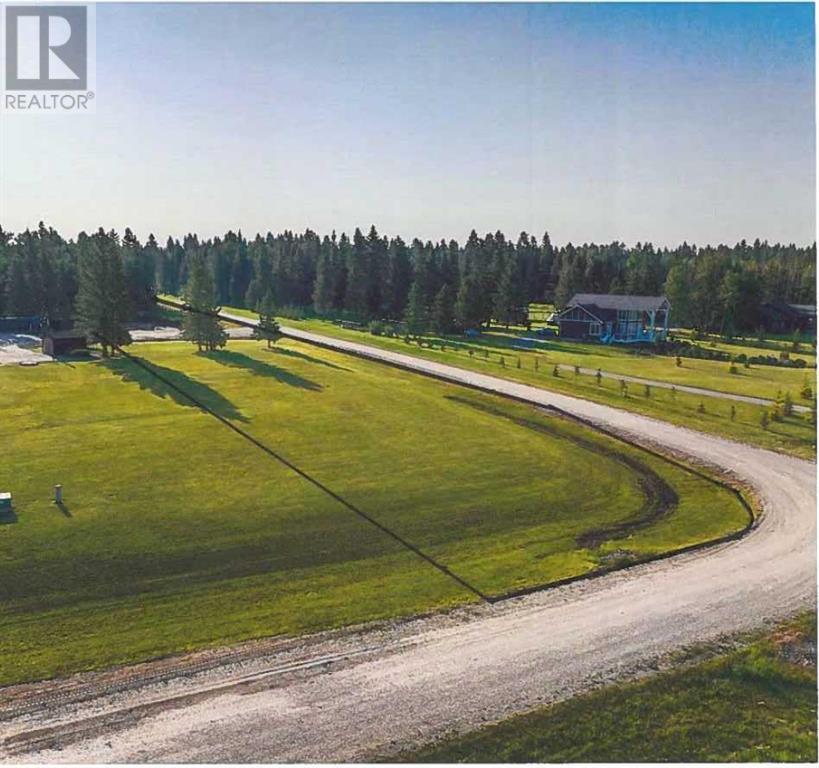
787,404
683,348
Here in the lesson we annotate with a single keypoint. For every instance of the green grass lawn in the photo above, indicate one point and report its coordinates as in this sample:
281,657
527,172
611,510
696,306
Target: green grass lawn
178,533
756,704
794,435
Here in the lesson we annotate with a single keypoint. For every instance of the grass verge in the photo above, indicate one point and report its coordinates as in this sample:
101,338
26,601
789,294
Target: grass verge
757,703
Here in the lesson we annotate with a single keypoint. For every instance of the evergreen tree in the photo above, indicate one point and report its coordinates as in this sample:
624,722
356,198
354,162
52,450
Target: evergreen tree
200,325
342,254
261,281
706,297
325,279
19,297
570,277
376,274
678,290
356,297
399,278
268,328
152,255
507,297
741,295
241,274
140,272
443,311
102,299
547,257
416,314
468,304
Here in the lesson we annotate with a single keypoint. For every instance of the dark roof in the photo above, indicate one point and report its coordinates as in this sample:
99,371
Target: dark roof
583,308
615,301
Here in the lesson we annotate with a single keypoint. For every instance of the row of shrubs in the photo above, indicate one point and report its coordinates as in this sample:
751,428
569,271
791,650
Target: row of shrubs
687,349
385,328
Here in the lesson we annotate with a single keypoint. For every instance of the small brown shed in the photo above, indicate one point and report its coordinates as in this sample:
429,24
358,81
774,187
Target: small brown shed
56,343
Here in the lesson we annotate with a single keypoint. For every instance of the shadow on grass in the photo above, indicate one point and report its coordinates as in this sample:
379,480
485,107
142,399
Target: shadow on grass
149,379
307,358
78,356
259,368
63,508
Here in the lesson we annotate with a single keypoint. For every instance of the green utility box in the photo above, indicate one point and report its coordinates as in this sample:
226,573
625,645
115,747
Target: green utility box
5,502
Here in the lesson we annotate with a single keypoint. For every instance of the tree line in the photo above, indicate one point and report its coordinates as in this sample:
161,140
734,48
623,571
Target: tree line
442,286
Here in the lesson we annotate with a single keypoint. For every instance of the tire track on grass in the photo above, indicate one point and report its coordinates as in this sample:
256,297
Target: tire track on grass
660,497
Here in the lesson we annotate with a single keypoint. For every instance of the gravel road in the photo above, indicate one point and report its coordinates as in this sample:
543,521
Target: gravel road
363,693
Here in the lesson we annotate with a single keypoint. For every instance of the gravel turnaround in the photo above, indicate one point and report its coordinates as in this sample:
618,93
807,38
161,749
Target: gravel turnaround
371,691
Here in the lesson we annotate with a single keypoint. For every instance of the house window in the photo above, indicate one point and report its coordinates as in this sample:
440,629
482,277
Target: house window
594,329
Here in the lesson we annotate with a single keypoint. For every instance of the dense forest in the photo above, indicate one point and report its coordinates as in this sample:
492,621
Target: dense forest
444,285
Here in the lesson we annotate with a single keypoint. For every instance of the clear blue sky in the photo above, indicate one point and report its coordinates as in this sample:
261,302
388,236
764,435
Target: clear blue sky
597,122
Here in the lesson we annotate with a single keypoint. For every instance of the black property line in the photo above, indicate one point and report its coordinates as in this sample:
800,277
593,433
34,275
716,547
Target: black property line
598,572
301,473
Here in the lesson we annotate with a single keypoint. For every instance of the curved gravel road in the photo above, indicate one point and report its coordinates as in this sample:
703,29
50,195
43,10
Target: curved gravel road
359,694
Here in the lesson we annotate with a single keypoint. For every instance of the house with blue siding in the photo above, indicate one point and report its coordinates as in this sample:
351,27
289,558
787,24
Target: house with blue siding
615,319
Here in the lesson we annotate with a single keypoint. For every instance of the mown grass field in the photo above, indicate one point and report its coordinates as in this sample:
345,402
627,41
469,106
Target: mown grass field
795,434
177,533
756,704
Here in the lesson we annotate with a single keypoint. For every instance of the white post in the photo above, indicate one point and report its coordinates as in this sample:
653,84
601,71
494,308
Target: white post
58,494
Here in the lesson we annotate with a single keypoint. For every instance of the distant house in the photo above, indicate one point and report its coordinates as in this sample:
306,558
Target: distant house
613,319
778,317
56,343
